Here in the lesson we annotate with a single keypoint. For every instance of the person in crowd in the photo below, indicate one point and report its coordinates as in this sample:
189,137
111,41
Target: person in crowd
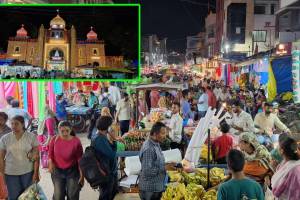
258,158
106,150
78,98
50,121
202,103
266,122
154,98
66,175
61,104
217,92
153,172
275,108
224,95
123,114
286,180
142,106
239,187
19,158
186,106
212,100
93,100
4,128
15,110
241,120
175,127
114,96
222,145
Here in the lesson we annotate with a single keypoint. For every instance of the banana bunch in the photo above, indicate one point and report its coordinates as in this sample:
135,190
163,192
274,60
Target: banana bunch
194,178
217,175
175,176
204,153
156,116
194,192
174,192
210,195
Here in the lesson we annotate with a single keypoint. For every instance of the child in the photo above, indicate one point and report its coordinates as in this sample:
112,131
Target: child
222,145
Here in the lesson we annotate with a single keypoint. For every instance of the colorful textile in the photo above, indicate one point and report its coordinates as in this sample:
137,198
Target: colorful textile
272,88
286,180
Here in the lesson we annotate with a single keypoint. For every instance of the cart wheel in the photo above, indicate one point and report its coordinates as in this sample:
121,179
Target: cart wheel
78,123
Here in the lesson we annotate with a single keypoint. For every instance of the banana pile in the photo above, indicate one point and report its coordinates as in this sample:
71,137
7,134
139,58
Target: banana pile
210,195
190,192
204,153
217,175
175,176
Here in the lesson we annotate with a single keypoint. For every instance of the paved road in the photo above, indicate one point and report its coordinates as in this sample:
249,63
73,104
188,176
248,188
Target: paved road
87,193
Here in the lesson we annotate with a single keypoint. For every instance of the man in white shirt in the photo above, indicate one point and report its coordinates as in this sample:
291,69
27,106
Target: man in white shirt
224,95
266,122
202,103
175,126
114,95
241,120
217,91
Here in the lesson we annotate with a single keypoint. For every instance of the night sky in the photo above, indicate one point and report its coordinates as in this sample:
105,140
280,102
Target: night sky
117,26
174,19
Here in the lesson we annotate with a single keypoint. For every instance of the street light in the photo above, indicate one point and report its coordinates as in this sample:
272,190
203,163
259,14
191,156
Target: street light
227,46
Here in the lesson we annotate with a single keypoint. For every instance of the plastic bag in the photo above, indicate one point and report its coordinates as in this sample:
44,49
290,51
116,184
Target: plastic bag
269,195
33,192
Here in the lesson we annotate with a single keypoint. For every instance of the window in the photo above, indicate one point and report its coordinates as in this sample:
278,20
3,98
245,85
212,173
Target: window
259,36
273,8
17,49
260,9
95,52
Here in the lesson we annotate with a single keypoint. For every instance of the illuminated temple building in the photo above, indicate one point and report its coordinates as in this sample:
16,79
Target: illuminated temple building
57,48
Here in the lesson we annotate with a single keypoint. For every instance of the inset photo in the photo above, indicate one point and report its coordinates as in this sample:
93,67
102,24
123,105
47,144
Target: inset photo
70,42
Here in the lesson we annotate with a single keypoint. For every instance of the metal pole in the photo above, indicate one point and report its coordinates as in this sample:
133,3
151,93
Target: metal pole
208,158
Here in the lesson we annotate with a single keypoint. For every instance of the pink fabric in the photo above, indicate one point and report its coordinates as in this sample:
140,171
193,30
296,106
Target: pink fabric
51,96
35,96
2,96
289,188
65,153
50,124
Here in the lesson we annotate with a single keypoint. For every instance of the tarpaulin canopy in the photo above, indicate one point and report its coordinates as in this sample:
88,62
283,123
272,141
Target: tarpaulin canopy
282,69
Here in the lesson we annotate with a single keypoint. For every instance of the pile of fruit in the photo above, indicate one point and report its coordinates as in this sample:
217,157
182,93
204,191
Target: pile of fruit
178,191
204,154
217,175
134,140
156,117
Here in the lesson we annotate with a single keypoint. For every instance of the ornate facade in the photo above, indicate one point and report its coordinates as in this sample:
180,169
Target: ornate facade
57,48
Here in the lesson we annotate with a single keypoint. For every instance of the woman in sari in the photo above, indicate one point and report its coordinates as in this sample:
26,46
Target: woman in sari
258,158
286,180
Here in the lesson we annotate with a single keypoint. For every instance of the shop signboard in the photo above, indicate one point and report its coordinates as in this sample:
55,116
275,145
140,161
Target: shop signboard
296,73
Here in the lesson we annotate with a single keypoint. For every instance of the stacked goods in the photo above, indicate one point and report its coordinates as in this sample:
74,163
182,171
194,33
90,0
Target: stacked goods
190,192
156,117
134,140
162,103
204,154
175,176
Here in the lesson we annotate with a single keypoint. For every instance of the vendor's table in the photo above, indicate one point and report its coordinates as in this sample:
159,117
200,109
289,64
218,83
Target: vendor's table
79,116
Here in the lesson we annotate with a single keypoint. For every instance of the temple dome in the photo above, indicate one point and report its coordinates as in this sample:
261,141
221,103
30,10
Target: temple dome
92,35
57,22
22,32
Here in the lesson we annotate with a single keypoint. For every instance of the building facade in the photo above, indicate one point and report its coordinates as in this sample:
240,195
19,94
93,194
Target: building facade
24,1
210,28
57,48
154,50
288,21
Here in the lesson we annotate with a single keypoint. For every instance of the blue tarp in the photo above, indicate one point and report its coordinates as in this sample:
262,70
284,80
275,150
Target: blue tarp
282,69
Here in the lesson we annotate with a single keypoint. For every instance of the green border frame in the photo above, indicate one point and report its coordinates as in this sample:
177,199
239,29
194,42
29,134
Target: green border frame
89,5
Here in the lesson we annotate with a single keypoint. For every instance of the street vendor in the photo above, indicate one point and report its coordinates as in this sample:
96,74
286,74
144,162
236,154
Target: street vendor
241,120
186,106
175,126
258,158
266,122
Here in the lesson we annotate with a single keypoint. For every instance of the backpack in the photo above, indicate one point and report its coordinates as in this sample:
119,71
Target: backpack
94,170
105,102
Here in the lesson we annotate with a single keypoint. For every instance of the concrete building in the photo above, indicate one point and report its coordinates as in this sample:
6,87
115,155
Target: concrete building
264,25
57,48
195,47
154,50
210,38
288,21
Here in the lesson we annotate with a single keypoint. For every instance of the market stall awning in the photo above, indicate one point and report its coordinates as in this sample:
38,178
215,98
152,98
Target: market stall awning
246,63
160,86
